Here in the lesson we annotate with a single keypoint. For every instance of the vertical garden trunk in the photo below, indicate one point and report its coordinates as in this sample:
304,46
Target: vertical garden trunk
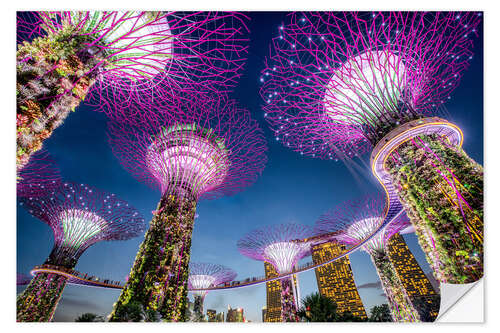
402,309
54,74
288,310
39,300
198,308
158,279
442,190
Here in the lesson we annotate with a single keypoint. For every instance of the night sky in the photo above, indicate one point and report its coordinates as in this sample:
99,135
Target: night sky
292,188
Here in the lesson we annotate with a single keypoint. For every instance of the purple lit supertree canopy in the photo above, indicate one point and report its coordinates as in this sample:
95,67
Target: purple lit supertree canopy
206,275
338,84
62,56
79,216
356,221
190,147
282,246
40,176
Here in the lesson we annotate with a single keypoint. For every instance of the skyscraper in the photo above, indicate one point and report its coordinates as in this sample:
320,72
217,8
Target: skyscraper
211,314
273,294
264,311
234,315
335,280
220,317
423,296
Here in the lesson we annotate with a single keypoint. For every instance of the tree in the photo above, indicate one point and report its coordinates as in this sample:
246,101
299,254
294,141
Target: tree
89,317
349,317
380,313
318,308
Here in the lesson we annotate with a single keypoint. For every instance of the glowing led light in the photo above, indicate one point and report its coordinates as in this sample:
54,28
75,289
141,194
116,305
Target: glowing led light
183,155
365,85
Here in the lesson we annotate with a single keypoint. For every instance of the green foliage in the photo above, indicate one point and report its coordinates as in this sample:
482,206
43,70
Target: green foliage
89,317
158,278
380,313
320,308
54,73
39,300
442,190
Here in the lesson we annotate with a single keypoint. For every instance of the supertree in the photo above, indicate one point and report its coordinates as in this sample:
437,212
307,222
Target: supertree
206,275
40,176
338,84
62,56
282,246
79,216
190,147
356,221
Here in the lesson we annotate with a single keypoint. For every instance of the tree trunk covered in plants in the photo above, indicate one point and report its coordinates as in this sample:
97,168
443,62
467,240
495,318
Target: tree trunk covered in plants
39,300
442,190
54,74
399,302
158,278
198,309
288,310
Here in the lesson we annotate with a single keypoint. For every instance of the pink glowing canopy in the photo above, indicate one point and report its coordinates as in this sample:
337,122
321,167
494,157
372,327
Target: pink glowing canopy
358,220
81,215
201,145
336,82
281,245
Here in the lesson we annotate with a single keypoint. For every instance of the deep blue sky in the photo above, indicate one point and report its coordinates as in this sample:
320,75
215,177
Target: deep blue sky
292,188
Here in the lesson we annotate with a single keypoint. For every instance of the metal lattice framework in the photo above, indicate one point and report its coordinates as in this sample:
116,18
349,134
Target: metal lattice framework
336,83
279,245
80,215
207,48
354,221
40,176
206,275
205,146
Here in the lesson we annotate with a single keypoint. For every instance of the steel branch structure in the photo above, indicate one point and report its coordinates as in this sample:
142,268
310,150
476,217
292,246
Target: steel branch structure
282,246
206,275
79,216
39,177
66,55
338,84
190,147
354,221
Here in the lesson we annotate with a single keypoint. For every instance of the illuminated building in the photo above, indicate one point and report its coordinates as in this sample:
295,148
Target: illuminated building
272,311
335,279
425,299
234,315
220,317
211,314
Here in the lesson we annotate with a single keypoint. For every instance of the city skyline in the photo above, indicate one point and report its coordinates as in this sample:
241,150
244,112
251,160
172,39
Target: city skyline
291,187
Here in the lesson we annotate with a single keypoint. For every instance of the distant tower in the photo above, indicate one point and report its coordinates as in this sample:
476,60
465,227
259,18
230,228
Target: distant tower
335,280
264,311
211,314
416,283
234,315
79,217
